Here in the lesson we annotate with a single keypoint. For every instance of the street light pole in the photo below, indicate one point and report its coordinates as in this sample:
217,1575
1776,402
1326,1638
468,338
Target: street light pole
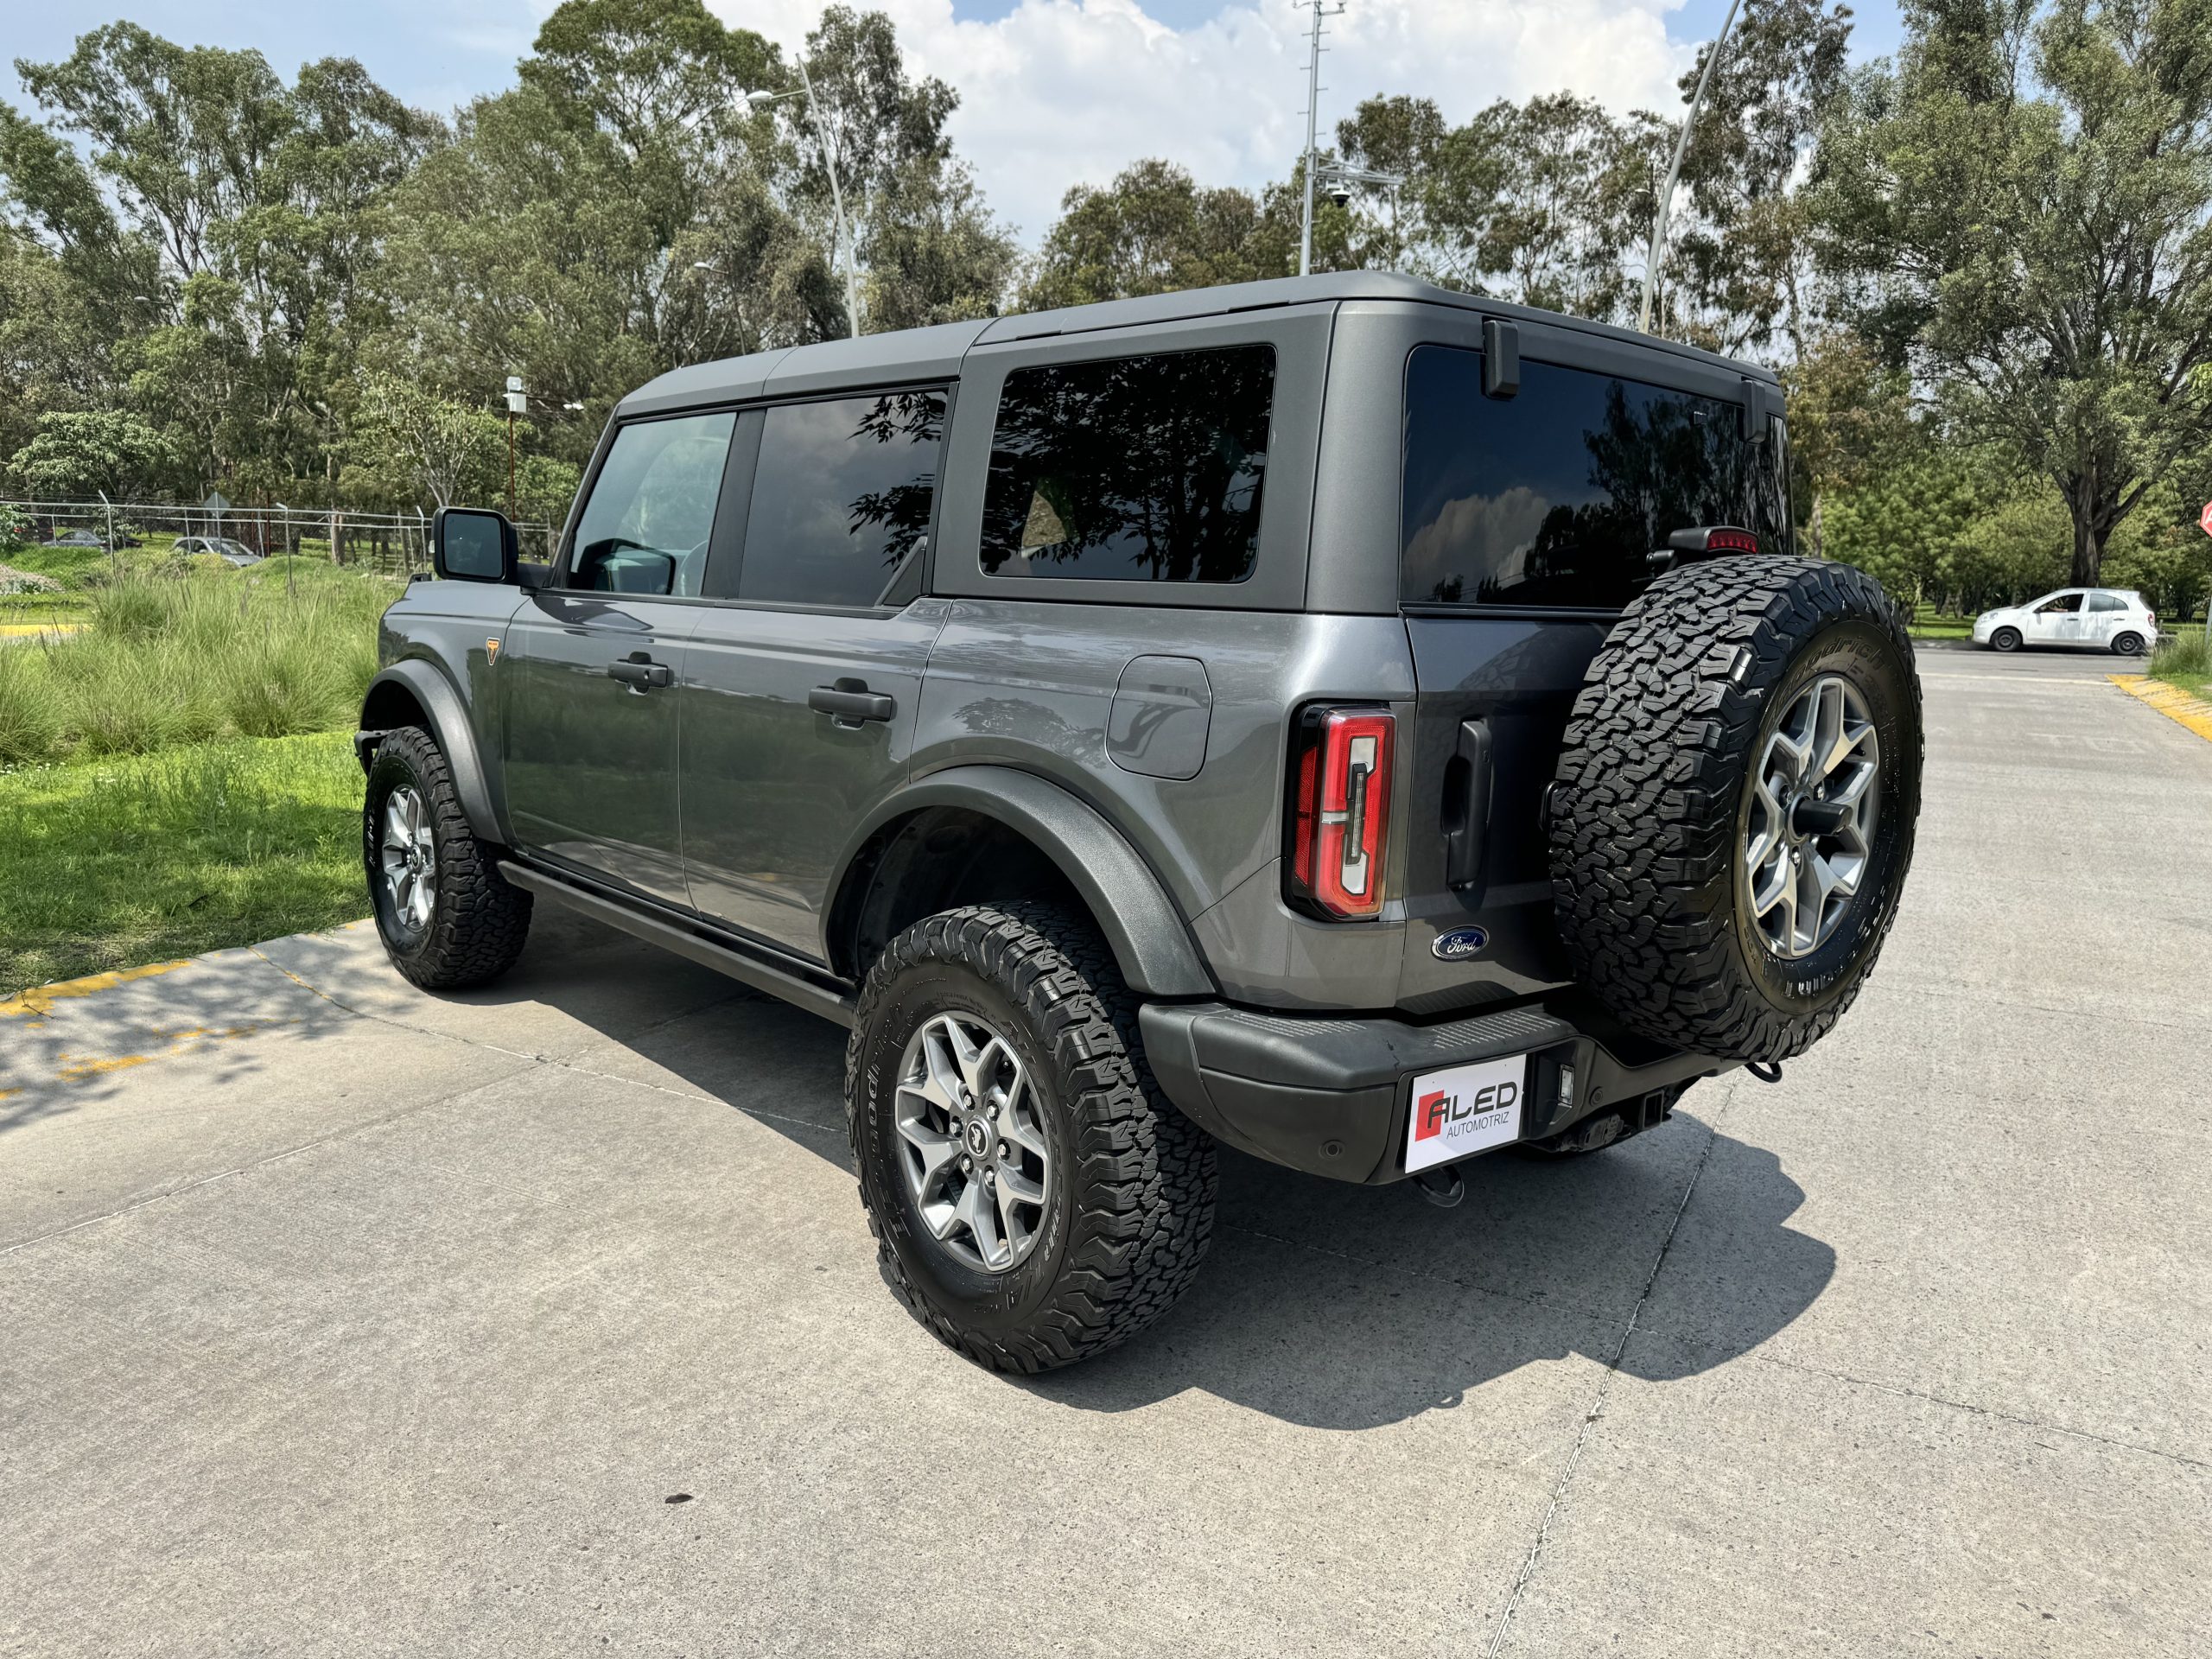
848,253
1674,168
1312,130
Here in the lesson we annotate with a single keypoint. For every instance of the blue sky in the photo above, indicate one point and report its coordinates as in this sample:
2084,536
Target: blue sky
1053,91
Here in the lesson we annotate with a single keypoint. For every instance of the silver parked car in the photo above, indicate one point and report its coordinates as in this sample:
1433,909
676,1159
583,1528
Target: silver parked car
222,547
2095,618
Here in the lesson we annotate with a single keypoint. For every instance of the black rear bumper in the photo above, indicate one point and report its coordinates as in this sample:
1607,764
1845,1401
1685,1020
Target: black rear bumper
1330,1094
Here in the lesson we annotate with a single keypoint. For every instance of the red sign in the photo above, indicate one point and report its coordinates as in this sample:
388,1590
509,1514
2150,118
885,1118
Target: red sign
2205,520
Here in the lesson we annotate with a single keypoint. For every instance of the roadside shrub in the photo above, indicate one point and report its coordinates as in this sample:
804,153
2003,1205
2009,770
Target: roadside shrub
209,564
166,663
30,720
131,697
130,608
2185,657
284,681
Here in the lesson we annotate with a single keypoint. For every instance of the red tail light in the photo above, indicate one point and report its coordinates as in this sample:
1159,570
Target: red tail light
1339,811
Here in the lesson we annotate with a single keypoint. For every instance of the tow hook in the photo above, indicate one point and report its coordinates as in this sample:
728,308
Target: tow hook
1441,1187
1764,1071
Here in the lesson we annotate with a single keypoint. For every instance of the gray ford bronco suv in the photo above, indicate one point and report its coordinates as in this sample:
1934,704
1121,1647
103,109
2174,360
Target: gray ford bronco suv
1359,724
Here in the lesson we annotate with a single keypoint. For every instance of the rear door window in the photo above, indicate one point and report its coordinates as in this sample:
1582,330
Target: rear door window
842,495
1132,468
645,525
1559,496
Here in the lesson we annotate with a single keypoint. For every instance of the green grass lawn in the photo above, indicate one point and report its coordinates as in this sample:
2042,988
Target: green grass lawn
1927,625
111,863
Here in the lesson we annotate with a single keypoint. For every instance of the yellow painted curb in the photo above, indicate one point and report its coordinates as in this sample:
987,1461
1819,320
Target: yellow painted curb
2170,701
40,998
16,630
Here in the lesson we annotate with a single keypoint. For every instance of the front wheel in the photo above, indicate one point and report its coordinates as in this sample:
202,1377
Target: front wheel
447,916
1034,1200
2005,640
2127,644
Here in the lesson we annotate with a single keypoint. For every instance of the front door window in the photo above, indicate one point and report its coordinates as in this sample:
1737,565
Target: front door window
588,679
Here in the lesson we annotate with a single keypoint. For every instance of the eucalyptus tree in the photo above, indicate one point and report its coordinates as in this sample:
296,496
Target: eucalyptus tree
2020,208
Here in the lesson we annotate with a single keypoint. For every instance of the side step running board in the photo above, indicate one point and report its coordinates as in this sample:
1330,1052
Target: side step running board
791,984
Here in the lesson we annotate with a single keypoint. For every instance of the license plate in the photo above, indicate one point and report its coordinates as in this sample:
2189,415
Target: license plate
1465,1109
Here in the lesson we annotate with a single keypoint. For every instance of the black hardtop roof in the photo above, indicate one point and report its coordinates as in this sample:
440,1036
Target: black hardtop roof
908,354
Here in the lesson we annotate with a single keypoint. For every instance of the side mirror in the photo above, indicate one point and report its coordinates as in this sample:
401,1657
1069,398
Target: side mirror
472,544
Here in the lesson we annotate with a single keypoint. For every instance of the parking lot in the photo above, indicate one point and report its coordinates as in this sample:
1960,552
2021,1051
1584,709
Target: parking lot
338,1318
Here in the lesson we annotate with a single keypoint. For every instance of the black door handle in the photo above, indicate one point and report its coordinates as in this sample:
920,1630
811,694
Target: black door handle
640,673
850,704
1467,805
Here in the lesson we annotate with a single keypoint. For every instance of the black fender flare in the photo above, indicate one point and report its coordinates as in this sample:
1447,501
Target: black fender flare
449,724
1142,927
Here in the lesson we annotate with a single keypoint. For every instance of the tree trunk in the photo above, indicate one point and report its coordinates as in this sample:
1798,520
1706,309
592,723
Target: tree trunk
2089,549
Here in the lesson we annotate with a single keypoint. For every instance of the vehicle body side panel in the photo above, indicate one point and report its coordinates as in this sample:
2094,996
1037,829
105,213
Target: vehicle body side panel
1032,686
592,766
435,638
770,788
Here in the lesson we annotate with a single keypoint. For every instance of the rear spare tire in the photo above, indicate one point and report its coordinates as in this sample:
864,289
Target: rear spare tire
1735,802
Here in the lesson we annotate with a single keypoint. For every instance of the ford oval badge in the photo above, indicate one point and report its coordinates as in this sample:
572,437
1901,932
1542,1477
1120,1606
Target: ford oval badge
1459,945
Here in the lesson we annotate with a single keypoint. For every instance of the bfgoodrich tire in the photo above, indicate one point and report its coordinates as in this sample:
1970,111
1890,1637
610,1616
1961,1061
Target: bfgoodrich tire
1034,1201
1735,802
447,916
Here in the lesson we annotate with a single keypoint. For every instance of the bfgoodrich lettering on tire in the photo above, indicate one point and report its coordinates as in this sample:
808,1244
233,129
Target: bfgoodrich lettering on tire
1034,1200
1735,803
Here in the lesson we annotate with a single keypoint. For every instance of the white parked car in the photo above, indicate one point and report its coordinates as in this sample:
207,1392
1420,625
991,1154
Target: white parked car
2094,619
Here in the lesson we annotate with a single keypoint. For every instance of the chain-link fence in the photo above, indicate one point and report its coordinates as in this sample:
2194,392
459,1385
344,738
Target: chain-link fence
396,543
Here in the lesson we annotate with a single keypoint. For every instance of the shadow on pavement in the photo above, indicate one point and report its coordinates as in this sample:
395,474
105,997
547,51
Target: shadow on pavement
1340,1306
1321,1304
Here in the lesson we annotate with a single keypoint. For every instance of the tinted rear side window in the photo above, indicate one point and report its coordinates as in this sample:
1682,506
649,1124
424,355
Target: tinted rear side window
841,495
1559,496
1133,469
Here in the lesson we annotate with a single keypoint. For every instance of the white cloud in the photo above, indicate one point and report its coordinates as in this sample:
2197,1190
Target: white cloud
1059,92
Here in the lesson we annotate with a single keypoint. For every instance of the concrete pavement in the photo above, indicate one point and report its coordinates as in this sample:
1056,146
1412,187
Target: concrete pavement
337,1319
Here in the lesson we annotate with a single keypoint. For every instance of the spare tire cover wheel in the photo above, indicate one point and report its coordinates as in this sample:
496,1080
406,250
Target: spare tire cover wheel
1736,803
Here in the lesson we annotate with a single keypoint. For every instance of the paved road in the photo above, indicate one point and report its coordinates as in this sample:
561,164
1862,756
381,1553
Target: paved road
338,1320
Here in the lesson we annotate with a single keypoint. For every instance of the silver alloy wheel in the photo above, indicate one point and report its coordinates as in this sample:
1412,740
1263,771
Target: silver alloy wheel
1811,828
973,1144
408,854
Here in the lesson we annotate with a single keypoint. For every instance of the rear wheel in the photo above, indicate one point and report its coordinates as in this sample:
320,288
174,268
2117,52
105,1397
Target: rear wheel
1735,804
1034,1200
447,919
2129,644
2005,640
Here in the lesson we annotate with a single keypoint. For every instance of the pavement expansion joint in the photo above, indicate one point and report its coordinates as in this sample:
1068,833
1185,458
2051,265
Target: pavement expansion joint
1993,1413
1596,1410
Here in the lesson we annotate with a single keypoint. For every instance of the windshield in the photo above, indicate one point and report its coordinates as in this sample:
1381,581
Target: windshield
1559,496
